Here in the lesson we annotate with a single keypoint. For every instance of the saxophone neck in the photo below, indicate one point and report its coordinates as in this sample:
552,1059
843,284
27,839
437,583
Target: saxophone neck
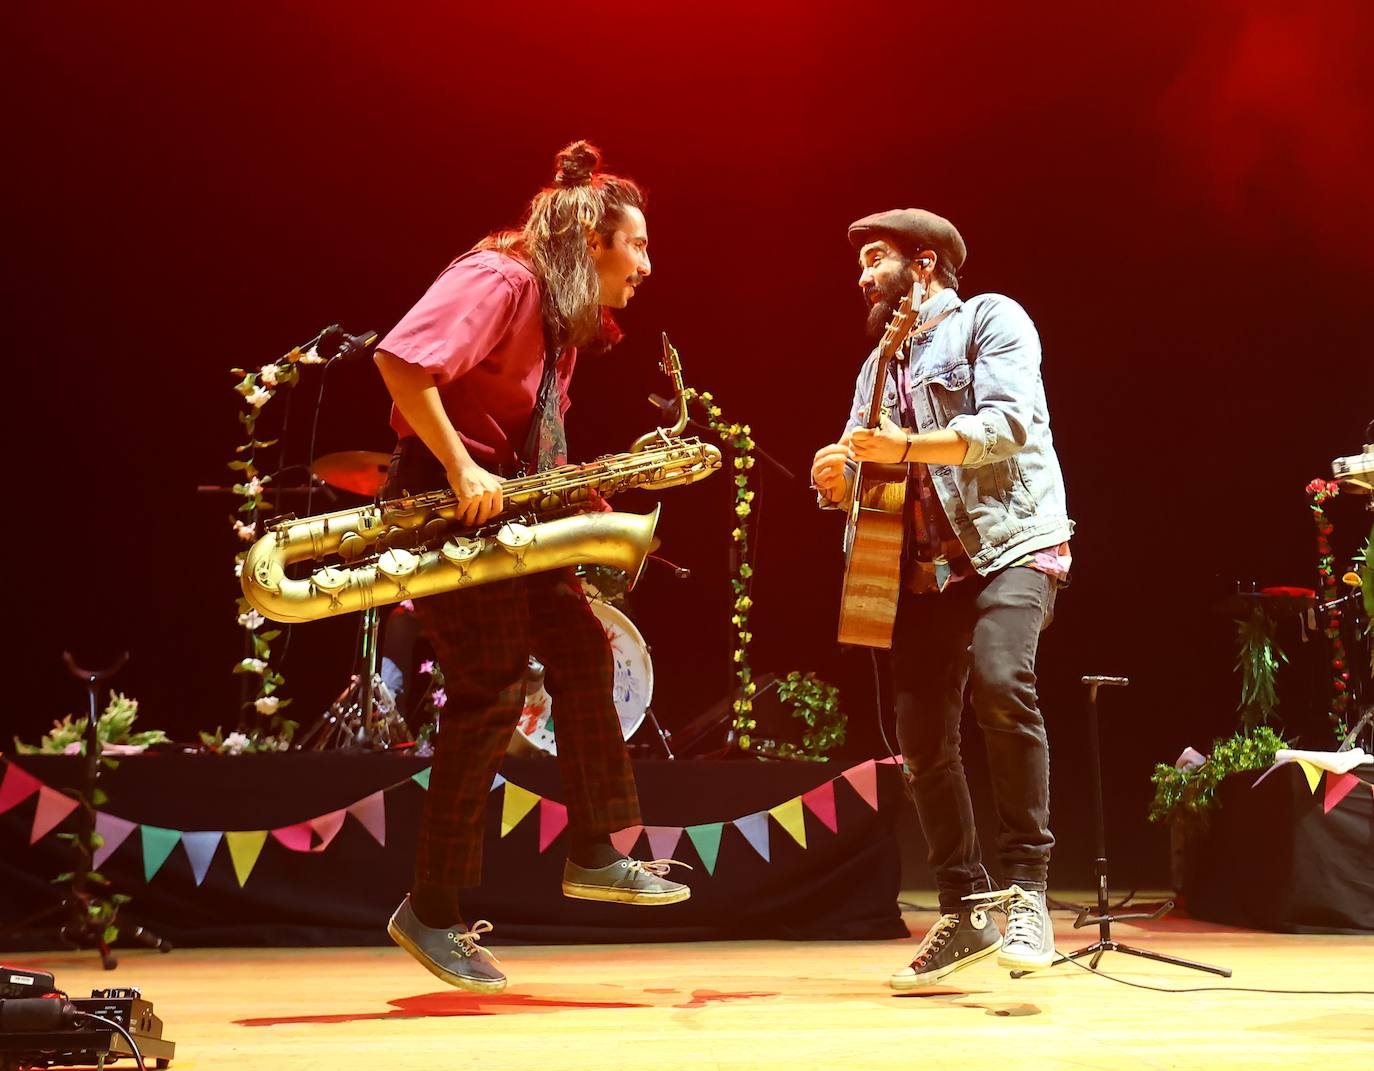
672,367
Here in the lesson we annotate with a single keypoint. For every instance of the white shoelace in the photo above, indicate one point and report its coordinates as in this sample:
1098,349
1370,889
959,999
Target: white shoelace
657,868
466,940
1025,917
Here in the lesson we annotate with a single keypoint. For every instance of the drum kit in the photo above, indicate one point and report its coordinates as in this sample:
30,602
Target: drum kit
366,713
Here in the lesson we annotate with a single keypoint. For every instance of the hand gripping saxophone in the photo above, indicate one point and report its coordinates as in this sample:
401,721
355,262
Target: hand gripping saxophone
410,547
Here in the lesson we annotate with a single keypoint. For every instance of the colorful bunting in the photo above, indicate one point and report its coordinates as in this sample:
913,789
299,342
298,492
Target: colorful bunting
157,846
17,786
754,827
820,801
1314,774
663,840
706,840
792,818
422,778
1338,786
370,811
244,849
296,837
113,832
327,827
53,806
200,849
497,782
553,819
517,803
624,840
864,780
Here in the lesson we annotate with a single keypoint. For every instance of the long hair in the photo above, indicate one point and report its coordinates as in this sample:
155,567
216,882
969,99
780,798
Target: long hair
552,240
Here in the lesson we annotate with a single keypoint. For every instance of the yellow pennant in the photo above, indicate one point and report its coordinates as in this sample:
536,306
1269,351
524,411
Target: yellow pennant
792,818
244,849
1314,773
518,802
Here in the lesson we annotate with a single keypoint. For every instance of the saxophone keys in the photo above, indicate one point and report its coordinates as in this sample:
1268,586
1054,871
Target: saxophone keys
397,564
329,579
517,539
459,552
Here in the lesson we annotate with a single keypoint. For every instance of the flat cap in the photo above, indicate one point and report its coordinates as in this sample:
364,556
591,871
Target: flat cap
913,229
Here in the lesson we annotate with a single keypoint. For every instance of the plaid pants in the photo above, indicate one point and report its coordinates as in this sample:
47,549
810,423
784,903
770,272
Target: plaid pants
482,638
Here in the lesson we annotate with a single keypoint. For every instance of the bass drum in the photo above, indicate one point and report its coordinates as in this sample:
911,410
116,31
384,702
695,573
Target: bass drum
633,688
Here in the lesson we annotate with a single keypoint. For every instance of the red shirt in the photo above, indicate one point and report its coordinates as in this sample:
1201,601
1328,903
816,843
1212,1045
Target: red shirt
478,331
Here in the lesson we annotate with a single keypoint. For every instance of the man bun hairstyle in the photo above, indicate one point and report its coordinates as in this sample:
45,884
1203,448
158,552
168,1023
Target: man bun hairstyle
553,238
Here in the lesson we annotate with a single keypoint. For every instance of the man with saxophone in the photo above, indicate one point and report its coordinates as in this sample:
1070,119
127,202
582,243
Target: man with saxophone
479,371
985,549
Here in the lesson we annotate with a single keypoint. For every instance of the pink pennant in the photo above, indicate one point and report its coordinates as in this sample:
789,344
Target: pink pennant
17,786
553,819
296,837
371,812
1337,788
891,760
624,840
327,826
864,780
820,801
53,806
663,840
114,831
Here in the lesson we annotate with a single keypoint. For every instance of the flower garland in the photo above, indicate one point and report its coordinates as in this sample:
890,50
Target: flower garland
737,438
257,389
1319,491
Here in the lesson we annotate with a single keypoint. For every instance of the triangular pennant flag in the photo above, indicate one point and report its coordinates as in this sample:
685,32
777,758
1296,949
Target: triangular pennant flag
497,782
53,806
754,827
296,837
1314,774
200,849
553,819
371,812
17,786
1338,786
792,818
157,846
706,840
422,778
891,760
517,803
244,848
624,840
113,832
663,840
820,801
864,779
327,826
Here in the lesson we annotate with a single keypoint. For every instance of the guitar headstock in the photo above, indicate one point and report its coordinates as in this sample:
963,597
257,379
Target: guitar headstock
901,323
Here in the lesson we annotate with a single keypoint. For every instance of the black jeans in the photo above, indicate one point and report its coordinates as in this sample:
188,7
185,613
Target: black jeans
983,633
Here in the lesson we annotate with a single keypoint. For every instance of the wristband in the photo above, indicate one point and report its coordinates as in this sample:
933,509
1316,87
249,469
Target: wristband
910,442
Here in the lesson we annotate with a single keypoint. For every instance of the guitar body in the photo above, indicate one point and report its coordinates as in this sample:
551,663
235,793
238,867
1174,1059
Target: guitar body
873,557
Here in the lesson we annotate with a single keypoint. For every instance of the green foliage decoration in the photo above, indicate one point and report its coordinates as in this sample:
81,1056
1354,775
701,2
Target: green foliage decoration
817,703
1186,796
1258,661
114,726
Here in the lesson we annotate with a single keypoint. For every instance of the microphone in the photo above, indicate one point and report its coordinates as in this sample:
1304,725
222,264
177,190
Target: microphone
353,347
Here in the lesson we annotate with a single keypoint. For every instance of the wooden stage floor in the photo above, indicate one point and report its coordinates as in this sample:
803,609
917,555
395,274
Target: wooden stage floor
755,1004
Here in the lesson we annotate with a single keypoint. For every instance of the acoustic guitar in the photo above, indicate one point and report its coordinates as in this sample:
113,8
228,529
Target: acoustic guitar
874,530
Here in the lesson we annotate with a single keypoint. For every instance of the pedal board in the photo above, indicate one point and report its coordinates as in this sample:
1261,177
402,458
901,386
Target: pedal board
94,1044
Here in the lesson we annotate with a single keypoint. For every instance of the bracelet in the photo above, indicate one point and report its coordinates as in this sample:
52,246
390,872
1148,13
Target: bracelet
910,442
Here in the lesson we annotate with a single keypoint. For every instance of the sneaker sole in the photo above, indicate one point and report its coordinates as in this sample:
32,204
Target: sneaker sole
576,891
455,980
917,981
1027,963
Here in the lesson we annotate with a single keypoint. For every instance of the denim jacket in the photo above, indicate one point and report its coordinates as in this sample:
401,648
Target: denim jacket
978,373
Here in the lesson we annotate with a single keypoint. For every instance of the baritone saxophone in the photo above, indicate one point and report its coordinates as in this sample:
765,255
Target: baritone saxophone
413,546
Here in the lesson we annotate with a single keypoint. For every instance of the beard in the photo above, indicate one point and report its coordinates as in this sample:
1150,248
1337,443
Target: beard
890,294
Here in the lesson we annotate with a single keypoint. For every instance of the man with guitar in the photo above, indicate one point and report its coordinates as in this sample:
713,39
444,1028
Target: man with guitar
950,432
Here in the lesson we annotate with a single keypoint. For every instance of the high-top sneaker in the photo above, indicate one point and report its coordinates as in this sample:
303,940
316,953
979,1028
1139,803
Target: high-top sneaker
1029,943
956,940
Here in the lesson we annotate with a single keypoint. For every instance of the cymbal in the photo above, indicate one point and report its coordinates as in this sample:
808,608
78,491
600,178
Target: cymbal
361,471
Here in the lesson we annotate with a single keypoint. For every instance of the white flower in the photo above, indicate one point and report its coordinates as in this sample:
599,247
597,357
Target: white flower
235,743
253,487
246,532
267,375
257,397
238,568
267,704
251,620
252,665
311,356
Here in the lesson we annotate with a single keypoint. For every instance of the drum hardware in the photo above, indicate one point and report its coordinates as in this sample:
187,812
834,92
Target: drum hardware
364,715
359,472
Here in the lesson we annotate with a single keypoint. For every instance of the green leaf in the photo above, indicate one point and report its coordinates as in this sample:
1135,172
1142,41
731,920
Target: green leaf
67,876
111,934
99,798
